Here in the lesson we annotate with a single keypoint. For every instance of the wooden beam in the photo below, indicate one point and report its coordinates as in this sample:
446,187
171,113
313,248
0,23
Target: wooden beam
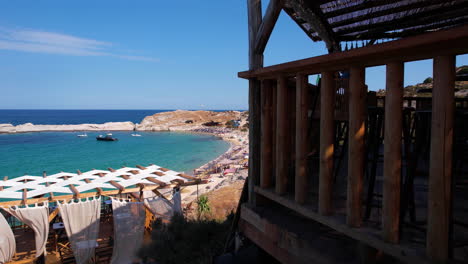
302,127
282,137
142,168
266,158
440,170
446,42
392,152
153,180
254,10
188,177
327,139
315,18
357,110
267,25
76,193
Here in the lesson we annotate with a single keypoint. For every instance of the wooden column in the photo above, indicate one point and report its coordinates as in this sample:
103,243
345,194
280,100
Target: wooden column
266,159
302,108
440,169
392,152
254,8
327,138
282,136
357,111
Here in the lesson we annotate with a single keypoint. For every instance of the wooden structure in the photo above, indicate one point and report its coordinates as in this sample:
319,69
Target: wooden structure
127,183
324,182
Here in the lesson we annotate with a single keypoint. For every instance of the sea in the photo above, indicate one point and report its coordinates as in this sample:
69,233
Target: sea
53,152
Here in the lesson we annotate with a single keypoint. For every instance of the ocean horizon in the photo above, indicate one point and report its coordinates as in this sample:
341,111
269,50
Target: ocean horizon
77,116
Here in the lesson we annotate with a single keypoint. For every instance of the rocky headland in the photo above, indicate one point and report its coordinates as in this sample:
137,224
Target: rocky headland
179,120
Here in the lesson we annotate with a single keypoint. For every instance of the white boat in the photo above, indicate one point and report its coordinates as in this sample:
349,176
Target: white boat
82,135
136,135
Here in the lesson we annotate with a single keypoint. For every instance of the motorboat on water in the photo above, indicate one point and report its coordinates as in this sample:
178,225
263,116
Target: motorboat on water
82,135
107,137
136,135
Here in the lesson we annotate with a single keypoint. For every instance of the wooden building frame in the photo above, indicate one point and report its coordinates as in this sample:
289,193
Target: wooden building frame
437,31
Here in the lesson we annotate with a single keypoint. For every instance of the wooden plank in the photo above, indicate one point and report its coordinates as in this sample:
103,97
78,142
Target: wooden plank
75,192
84,195
53,214
266,158
266,27
302,121
403,253
392,152
440,168
141,167
357,108
152,179
327,138
188,177
254,14
282,135
445,42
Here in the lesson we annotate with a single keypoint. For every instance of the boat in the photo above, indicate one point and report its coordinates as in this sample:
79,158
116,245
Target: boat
136,135
108,137
82,135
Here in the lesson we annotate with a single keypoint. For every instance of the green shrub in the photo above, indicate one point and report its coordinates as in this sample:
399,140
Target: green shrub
203,206
428,80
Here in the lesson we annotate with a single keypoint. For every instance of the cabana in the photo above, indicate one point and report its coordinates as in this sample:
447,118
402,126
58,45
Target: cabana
130,198
329,168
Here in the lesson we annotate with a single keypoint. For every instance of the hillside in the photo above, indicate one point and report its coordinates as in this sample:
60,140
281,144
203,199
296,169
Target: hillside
424,89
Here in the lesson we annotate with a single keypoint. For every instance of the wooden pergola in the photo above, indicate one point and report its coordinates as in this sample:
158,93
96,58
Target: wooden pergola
289,171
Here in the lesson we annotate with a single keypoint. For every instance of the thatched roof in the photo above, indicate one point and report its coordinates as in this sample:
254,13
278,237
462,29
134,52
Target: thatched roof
370,20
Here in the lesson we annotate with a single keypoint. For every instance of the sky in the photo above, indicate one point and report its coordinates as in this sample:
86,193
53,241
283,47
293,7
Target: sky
145,54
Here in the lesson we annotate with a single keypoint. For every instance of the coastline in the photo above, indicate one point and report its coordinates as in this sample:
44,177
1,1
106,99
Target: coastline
176,122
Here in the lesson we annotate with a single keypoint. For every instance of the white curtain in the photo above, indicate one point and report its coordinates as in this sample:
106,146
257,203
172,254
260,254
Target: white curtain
160,207
177,203
129,227
7,241
81,220
163,208
37,218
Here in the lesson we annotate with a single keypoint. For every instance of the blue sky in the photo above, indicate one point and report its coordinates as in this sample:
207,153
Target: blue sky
146,54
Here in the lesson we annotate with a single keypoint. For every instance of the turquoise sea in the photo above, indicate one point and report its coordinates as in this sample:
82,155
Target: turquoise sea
33,153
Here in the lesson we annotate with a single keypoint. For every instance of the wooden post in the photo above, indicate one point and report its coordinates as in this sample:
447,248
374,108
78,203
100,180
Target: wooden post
357,110
266,162
282,137
440,170
254,8
301,137
327,138
392,152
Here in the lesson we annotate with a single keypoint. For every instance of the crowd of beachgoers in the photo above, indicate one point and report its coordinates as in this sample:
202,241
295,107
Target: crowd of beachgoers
230,167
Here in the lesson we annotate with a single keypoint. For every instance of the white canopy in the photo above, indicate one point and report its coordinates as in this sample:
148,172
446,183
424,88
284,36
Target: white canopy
60,182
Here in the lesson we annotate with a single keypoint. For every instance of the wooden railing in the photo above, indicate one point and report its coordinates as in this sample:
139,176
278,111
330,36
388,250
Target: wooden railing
284,137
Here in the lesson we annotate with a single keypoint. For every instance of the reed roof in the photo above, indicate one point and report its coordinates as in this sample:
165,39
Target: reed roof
370,20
